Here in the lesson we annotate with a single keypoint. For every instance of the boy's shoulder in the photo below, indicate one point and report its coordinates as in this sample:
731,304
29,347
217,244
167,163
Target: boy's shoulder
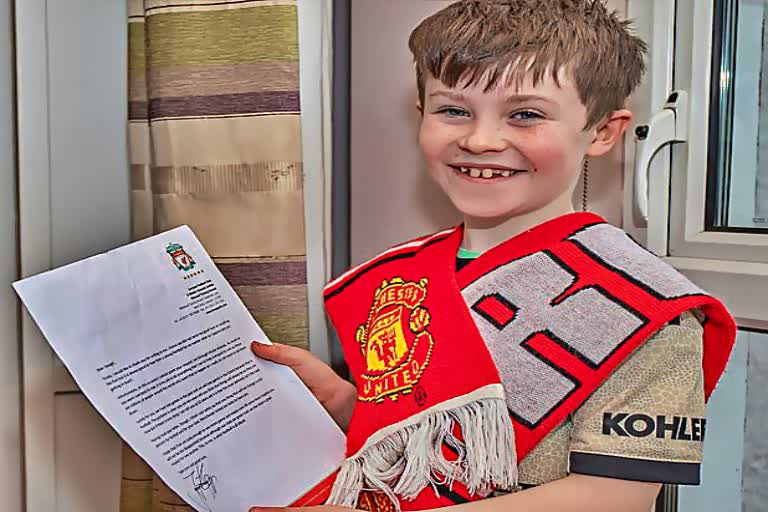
616,250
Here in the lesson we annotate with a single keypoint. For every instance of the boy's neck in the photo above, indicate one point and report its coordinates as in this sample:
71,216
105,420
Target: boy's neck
483,234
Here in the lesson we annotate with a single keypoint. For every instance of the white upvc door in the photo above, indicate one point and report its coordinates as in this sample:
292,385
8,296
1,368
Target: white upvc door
697,194
71,102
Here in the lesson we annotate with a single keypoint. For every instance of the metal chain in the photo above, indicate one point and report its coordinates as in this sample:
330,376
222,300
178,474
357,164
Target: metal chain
584,190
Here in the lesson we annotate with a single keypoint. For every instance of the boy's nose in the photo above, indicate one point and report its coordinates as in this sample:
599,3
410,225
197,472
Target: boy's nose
483,138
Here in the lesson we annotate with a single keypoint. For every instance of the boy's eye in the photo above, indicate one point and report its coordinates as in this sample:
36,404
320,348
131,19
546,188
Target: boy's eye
452,112
526,115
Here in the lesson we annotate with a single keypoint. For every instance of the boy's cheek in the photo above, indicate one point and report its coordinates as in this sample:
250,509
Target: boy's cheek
544,157
553,153
432,140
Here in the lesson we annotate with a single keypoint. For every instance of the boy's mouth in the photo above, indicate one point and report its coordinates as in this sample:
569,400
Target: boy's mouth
486,173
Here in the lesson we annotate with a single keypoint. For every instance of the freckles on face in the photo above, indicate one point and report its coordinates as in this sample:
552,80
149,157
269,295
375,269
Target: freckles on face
550,160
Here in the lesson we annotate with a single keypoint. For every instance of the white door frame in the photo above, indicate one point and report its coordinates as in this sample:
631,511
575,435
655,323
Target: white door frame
315,19
35,248
10,392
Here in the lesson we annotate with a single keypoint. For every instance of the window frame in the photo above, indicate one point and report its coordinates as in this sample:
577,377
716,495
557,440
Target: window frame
693,71
732,266
315,22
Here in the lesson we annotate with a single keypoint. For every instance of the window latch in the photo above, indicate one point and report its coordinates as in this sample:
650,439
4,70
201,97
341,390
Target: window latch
667,126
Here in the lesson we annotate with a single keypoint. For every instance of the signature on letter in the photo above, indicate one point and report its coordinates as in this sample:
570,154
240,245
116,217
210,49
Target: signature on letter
204,485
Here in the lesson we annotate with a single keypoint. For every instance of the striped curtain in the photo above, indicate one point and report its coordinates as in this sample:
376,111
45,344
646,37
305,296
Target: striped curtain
215,143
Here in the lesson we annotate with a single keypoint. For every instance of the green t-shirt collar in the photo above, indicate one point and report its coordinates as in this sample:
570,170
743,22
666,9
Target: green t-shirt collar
468,255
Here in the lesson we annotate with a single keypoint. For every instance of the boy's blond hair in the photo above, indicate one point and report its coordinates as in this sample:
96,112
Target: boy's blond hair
487,41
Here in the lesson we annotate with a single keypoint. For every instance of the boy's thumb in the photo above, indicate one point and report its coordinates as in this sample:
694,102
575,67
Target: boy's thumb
268,352
281,354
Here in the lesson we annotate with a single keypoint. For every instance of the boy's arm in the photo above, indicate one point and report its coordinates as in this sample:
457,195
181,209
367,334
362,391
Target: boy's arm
574,493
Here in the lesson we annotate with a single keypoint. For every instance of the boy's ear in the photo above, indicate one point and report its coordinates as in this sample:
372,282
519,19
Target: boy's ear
609,131
419,108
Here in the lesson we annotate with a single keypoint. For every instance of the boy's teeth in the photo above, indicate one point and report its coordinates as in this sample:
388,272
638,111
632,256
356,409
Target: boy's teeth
484,173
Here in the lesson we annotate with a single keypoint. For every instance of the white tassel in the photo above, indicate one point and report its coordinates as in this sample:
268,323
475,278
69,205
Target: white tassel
348,485
409,459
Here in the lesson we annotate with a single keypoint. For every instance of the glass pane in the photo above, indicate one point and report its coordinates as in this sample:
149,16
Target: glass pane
738,160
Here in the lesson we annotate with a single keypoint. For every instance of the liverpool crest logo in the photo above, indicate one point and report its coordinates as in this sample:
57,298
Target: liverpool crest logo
395,341
181,259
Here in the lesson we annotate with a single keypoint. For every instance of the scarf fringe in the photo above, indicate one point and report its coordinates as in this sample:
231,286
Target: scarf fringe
410,459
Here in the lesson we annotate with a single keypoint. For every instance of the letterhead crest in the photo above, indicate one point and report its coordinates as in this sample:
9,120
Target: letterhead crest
181,259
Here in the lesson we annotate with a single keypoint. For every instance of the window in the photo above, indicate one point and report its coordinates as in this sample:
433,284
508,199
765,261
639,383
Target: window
737,183
708,195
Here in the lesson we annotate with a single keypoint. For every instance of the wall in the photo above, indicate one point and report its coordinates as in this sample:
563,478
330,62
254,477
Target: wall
10,419
736,451
755,492
392,197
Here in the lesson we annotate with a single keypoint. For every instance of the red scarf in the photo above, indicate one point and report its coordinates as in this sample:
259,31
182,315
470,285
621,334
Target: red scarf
443,359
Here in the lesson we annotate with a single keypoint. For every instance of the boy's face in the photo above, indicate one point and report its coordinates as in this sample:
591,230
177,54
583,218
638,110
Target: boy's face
509,152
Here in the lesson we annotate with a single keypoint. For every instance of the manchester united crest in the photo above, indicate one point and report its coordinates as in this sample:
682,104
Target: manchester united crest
395,341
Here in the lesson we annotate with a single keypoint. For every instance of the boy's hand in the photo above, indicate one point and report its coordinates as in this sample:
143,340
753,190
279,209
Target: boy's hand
334,393
320,508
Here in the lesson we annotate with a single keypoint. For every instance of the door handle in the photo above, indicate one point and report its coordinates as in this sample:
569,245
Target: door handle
667,126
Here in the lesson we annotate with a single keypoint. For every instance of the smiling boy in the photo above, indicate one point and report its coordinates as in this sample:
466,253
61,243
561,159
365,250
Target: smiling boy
532,358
